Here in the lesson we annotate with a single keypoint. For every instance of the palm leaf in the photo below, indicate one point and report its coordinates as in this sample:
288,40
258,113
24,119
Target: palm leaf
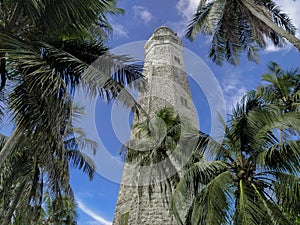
287,195
273,211
212,203
236,29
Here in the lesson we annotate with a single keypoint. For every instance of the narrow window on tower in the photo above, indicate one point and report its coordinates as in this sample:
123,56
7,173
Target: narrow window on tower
177,59
184,101
124,218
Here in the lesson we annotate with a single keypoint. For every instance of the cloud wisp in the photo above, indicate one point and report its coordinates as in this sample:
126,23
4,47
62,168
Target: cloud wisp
142,13
233,90
187,8
292,9
95,216
119,30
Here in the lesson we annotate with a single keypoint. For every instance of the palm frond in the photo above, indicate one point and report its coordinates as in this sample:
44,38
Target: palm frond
275,214
80,160
280,157
248,210
280,19
205,19
211,205
237,27
287,195
198,175
59,22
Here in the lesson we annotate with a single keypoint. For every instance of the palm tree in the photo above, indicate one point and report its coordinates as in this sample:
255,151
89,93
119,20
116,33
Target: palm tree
288,199
54,22
67,214
29,175
54,212
282,89
47,50
154,139
163,144
241,26
239,185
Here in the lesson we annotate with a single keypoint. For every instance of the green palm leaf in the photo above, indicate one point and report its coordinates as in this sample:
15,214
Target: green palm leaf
245,178
240,26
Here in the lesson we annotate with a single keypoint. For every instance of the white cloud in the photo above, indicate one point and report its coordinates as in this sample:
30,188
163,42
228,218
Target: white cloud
234,97
142,13
179,27
187,8
99,219
272,48
119,30
233,90
292,8
93,223
82,195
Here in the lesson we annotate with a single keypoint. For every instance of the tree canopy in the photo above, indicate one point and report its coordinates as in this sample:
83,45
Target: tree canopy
241,26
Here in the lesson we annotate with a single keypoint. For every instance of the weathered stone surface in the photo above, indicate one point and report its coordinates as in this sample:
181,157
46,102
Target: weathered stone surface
167,86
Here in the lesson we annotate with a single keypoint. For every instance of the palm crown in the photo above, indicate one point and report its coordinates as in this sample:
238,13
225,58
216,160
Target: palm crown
240,185
239,26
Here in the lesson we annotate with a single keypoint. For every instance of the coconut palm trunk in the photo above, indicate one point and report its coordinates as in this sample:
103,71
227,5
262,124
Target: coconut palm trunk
258,12
2,70
250,170
13,205
241,26
8,147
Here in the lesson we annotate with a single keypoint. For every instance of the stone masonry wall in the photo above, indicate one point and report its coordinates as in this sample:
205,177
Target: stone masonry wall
168,86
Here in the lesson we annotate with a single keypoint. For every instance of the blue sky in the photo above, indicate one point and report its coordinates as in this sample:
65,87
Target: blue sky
96,199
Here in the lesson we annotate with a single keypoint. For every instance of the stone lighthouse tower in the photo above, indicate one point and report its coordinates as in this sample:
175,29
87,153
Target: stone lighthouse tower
167,87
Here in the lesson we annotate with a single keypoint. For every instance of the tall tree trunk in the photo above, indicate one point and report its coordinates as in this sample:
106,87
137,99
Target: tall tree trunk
256,11
8,147
13,205
38,208
2,70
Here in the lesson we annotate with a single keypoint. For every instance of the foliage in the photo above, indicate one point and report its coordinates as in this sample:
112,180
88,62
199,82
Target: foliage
282,89
238,26
33,180
153,141
281,92
47,50
249,172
